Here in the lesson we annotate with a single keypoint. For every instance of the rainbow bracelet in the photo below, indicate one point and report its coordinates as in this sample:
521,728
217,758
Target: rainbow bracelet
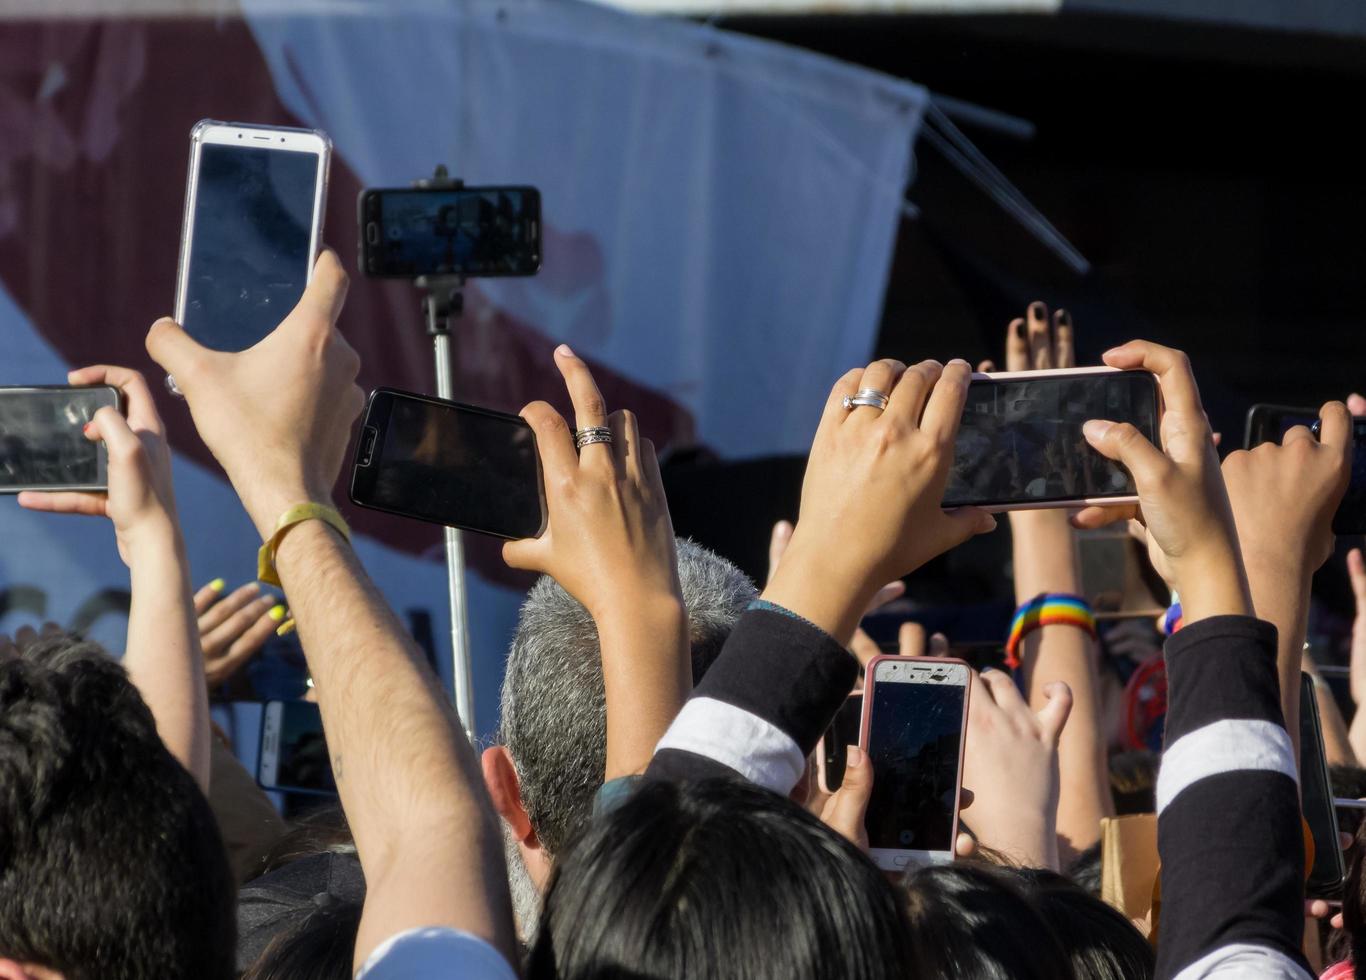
1049,609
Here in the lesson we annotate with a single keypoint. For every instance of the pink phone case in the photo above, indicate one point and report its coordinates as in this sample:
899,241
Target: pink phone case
1079,501
870,686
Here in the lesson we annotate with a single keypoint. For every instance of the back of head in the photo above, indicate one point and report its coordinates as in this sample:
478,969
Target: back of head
1101,942
717,879
320,947
974,922
111,864
1354,899
554,714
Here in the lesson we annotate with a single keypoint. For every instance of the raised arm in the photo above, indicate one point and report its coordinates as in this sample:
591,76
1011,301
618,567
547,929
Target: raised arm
163,656
278,417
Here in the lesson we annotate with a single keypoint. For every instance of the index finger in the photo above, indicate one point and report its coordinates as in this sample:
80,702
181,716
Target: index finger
590,409
141,408
1172,367
1335,427
944,409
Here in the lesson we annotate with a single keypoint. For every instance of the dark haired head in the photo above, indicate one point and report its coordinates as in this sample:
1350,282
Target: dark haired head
112,864
1354,899
717,879
1085,871
1133,781
1101,942
973,922
319,947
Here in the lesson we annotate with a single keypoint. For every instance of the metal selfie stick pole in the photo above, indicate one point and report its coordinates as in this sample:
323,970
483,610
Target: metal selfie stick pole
443,303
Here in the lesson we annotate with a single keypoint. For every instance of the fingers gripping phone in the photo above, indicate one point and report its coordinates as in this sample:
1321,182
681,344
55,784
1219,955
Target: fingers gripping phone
832,751
915,712
252,227
42,442
465,231
1020,444
1270,423
1316,798
294,755
447,463
1350,517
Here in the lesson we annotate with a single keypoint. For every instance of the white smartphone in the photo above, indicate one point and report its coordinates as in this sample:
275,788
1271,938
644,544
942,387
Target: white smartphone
294,755
1020,445
915,711
252,227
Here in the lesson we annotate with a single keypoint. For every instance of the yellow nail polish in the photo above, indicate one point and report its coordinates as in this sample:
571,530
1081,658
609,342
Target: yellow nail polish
218,585
277,613
286,628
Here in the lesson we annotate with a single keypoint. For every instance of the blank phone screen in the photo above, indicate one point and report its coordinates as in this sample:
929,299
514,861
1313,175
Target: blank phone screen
915,733
304,762
457,466
249,254
41,442
1020,441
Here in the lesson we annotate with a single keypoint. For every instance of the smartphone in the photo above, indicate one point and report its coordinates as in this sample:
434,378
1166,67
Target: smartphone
42,445
1316,799
451,464
1270,423
294,755
252,227
1351,513
915,711
1350,814
842,733
464,231
1020,445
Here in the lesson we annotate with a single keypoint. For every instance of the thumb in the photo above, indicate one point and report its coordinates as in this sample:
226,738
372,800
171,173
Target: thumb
179,354
844,812
1123,442
966,522
1053,715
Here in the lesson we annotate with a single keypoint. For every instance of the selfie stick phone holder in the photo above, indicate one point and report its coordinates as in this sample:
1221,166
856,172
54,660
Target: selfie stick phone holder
442,304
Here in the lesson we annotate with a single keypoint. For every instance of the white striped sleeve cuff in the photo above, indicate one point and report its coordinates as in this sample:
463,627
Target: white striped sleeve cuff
1243,961
757,749
1231,745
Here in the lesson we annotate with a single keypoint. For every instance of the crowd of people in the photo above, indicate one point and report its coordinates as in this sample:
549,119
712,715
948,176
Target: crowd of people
647,808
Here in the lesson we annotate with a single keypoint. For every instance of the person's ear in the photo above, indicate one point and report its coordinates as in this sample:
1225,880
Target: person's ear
500,778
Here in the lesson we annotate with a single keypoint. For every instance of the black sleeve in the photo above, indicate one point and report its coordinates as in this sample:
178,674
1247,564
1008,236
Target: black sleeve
1228,828
763,705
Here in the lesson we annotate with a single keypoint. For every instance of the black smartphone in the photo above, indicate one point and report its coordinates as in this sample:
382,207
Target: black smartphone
1316,796
465,231
1020,443
1270,423
294,755
1351,513
451,464
42,443
831,754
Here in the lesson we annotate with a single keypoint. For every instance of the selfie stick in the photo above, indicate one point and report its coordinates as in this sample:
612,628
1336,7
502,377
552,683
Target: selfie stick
443,303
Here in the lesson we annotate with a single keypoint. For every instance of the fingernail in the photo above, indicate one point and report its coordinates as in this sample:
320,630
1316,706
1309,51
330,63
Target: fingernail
988,523
285,629
218,585
1037,311
1064,318
853,757
987,670
959,360
563,351
1095,429
1020,329
277,613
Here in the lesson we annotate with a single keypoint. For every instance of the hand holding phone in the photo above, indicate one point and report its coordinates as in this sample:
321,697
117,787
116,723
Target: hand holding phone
1350,517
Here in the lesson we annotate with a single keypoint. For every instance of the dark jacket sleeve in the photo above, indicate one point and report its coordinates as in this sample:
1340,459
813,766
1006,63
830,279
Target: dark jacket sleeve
763,705
1228,829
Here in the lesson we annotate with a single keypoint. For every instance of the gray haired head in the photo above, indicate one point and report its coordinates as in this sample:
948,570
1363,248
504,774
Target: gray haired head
553,711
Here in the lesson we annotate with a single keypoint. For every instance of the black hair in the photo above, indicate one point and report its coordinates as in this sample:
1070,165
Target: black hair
1354,902
320,947
111,864
1102,943
1133,781
1085,870
975,922
720,879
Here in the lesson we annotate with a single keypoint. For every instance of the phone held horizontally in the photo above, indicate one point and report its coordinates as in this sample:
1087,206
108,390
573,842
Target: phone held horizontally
1020,444
447,463
252,227
42,440
450,231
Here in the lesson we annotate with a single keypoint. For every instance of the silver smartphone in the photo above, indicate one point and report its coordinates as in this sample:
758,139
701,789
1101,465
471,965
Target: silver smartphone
294,754
42,441
252,227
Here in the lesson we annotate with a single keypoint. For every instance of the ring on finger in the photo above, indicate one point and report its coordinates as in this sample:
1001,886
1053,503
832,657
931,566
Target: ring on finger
867,398
592,434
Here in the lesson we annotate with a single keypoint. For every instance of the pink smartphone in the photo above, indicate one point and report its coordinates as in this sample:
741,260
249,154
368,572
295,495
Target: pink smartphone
915,712
1020,446
831,749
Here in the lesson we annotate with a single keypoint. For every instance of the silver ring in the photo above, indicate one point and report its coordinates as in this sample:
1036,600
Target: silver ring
591,435
868,398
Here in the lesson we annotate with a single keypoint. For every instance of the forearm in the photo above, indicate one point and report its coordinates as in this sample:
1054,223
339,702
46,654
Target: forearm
1280,596
1045,561
163,656
407,776
647,675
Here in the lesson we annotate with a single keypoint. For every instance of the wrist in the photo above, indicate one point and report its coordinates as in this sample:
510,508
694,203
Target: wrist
156,534
266,504
1213,584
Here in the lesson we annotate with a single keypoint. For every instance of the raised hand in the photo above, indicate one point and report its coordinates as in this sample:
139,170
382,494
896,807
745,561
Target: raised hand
234,628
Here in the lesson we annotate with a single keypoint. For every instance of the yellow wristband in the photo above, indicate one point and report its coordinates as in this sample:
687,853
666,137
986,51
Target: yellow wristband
265,558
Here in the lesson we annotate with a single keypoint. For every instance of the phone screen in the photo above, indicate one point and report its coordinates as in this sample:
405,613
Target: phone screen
473,231
1020,440
915,734
449,464
250,250
1325,878
42,446
1270,423
302,762
842,733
